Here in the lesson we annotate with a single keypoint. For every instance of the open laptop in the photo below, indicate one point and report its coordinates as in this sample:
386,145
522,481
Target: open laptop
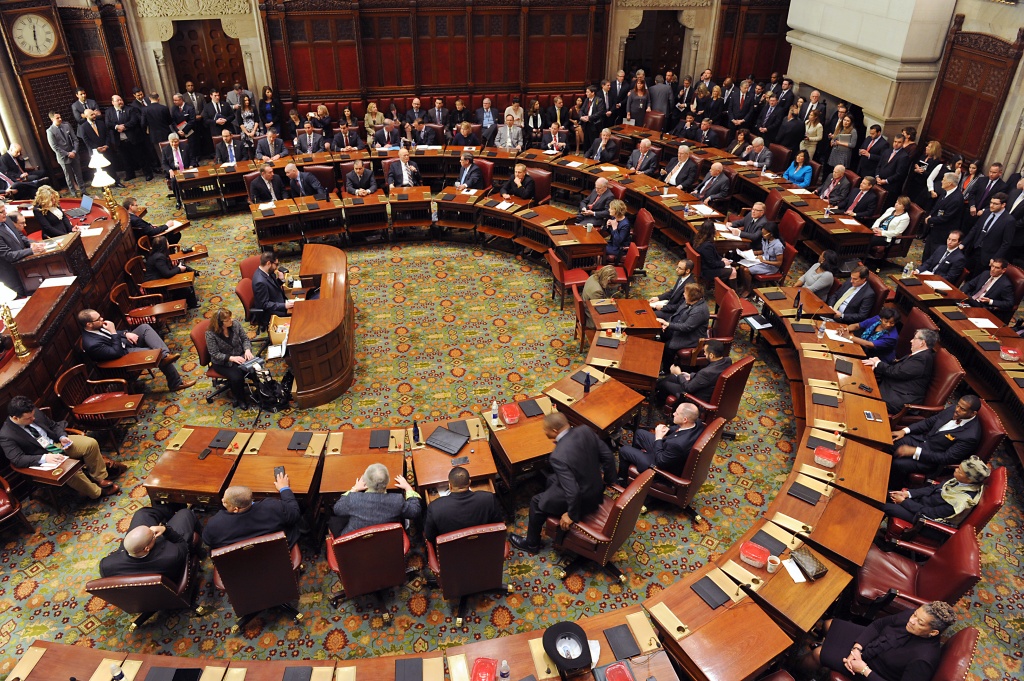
83,210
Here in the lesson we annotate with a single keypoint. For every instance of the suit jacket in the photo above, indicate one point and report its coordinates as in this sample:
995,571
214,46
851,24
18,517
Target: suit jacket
353,140
609,155
950,446
395,175
744,112
686,178
509,137
992,244
104,347
78,109
222,155
363,509
412,114
708,137
791,133
197,105
310,185
946,211
22,449
554,114
1001,292
578,462
859,306
649,166
381,138
210,116
674,296
461,510
717,189
918,657
702,384
547,142
13,244
822,108
159,266
186,114
499,118
260,193
838,195
51,225
661,97
670,452
865,207
770,118
894,171
906,380
596,113
131,119
432,116
263,148
263,517
687,326
158,118
141,227
950,268
94,140
598,204
11,167
868,165
186,156
527,191
980,197
169,555
473,177
62,140
304,147
762,158
354,182
750,229
268,294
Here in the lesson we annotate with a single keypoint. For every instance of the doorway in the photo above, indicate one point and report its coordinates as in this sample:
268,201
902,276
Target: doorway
656,45
203,53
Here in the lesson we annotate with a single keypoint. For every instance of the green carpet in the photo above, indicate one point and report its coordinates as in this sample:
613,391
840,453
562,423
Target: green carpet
442,329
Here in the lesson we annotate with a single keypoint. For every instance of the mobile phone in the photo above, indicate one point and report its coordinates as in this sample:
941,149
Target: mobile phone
278,470
866,388
869,416
205,453
461,461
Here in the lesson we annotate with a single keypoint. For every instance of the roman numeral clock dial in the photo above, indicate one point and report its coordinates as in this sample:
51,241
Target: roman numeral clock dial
34,35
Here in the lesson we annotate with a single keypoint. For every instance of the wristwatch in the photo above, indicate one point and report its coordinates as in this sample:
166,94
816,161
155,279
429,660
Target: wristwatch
865,670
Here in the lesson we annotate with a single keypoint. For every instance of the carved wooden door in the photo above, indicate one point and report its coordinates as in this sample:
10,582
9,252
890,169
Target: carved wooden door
203,53
656,45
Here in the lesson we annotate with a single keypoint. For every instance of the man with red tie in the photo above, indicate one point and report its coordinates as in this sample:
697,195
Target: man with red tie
554,138
873,150
715,186
861,205
642,160
176,157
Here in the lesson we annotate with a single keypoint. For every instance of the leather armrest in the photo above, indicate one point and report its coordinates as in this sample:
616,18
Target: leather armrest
128,580
675,480
916,548
110,384
706,406
146,299
6,485
910,598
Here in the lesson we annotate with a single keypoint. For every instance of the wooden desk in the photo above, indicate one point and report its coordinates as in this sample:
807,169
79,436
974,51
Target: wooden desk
432,465
64,661
825,370
862,469
279,226
366,213
579,248
922,295
255,470
814,307
500,222
149,662
340,471
637,361
325,219
851,413
179,477
66,258
273,670
535,225
845,348
410,207
520,447
456,210
569,173
636,315
608,405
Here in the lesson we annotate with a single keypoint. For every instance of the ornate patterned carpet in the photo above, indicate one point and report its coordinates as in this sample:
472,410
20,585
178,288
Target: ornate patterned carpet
442,329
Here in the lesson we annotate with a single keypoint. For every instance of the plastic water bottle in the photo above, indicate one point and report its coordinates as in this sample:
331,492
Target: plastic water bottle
821,330
494,411
618,327
908,269
586,383
828,211
116,673
504,672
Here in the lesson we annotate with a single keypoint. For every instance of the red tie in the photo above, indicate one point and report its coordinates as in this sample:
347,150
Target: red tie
856,200
741,101
872,143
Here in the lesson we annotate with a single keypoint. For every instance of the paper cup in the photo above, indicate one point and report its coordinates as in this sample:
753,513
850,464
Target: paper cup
773,563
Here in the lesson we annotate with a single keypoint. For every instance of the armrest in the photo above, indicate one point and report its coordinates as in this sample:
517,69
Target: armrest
146,299
940,527
916,548
108,384
674,479
6,485
907,408
914,600
701,404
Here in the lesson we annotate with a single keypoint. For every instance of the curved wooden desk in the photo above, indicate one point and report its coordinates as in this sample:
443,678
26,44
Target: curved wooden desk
321,341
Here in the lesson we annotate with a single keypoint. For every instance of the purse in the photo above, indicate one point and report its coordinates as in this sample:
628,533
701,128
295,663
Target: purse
808,563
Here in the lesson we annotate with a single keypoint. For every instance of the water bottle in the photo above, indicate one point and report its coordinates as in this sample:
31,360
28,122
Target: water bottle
821,330
828,211
908,269
618,327
494,411
504,672
586,383
415,432
116,673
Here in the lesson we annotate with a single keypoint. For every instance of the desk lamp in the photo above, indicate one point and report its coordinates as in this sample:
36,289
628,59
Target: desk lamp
6,296
103,180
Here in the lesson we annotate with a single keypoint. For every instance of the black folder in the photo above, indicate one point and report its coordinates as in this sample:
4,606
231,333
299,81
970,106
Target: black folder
954,314
491,204
297,674
774,295
797,203
459,427
267,212
710,593
447,197
530,408
379,439
312,205
814,442
357,202
345,157
447,441
622,643
191,176
804,493
581,376
825,400
607,308
410,669
676,209
418,152
910,281
988,345
1019,382
844,366
625,180
402,197
653,192
300,441
802,327
724,163
528,215
605,342
172,674
222,439
320,196
558,231
774,546
826,221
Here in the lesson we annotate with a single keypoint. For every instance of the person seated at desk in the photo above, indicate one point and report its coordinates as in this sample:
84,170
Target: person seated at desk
16,190
947,263
681,171
990,290
368,502
387,136
905,380
229,347
510,135
835,189
604,149
14,246
405,173
470,175
158,542
464,136
854,299
666,448
268,186
599,285
668,302
30,438
687,326
750,225
462,508
302,183
421,135
769,258
700,384
711,263
800,171
948,502
642,160
581,465
594,209
309,141
687,127
488,120
861,204
14,166
819,277
46,208
268,288
555,139
360,181
347,139
177,157
890,224
944,439
705,135
715,186
103,343
242,518
142,228
618,229
758,154
160,266
904,646
229,150
519,185
878,334
271,147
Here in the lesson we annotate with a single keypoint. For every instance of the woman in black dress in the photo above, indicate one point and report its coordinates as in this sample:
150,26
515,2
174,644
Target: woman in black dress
270,109
711,263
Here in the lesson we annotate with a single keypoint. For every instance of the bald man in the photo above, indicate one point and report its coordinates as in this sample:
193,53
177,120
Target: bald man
244,519
667,447
158,541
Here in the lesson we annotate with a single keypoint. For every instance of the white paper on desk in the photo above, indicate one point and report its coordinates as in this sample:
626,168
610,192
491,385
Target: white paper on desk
432,147
729,236
574,164
227,165
504,205
848,221
742,163
794,571
48,466
835,335
770,176
938,285
275,351
595,651
90,231
702,209
175,224
53,282
747,255
609,169
798,190
52,244
983,323
297,284
267,206
721,227
469,192
550,152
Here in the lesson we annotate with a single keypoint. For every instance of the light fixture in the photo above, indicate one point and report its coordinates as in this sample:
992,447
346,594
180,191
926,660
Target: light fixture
102,180
6,296
98,161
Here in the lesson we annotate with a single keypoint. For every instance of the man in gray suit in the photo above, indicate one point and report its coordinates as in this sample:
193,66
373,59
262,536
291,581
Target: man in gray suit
65,145
510,136
234,97
661,95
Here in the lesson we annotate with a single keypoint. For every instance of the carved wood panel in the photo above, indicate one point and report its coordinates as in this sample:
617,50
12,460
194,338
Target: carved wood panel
656,45
752,38
203,53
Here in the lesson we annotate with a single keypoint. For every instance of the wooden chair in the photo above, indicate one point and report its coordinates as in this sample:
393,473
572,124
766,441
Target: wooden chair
145,309
913,322
10,508
198,252
694,257
198,336
368,561
249,178
250,591
469,561
561,277
98,404
780,158
946,376
136,271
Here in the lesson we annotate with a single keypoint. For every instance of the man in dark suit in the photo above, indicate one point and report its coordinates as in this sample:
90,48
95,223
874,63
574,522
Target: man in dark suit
197,100
992,186
489,120
668,302
387,136
786,97
93,132
687,127
581,465
160,266
519,185
128,138
941,440
750,225
103,343
666,448
271,147
706,135
82,104
554,139
715,186
309,141
594,209
643,160
244,519
16,167
741,106
604,148
991,236
183,118
854,299
439,114
683,99
14,246
461,509
470,175
140,227
421,135
872,150
681,171
229,149
770,119
892,169
591,116
758,153
29,438
360,181
176,157
158,542
687,325
861,204
792,131
906,380
218,115
836,188
558,113
303,183
991,289
158,120
947,262
945,214
661,95
619,92
814,103
267,187
268,288
700,384
347,140
403,173
369,503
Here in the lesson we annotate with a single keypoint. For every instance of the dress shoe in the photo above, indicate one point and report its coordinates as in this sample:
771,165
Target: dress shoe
523,545
105,484
170,358
110,490
120,185
115,469
184,384
149,178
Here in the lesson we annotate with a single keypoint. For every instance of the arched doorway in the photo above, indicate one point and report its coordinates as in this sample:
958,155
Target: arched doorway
203,53
656,45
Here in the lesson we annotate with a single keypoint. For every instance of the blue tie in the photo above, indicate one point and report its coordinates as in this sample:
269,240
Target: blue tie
231,153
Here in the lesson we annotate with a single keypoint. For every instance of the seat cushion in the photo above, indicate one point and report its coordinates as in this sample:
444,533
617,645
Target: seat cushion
883,571
5,505
576,276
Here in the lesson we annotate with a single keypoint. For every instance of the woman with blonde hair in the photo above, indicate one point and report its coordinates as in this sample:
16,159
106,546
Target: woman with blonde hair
372,118
618,229
229,346
46,208
813,132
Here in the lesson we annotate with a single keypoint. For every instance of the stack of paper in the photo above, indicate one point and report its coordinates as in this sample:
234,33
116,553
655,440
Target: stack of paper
938,285
267,206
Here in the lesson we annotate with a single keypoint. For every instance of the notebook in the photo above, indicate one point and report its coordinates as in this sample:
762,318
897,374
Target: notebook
379,439
774,546
605,342
802,327
710,593
844,367
447,441
774,295
581,377
622,643
300,441
910,281
955,314
559,231
459,427
528,215
409,669
825,400
297,674
530,408
606,309
222,439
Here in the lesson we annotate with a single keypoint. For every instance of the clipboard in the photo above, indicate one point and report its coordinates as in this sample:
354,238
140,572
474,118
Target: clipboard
605,363
176,443
814,346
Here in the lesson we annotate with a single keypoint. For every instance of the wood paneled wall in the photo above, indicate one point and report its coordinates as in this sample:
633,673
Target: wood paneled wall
104,62
752,38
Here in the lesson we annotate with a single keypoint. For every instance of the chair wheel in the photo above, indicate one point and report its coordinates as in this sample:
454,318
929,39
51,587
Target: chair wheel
386,617
458,621
234,629
133,626
511,589
297,618
209,400
643,509
561,574
697,518
622,578
199,610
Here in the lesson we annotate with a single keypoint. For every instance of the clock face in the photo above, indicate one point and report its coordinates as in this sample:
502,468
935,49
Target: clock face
34,35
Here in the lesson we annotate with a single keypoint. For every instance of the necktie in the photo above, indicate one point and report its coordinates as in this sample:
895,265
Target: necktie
844,299
640,161
97,132
309,143
193,96
177,158
231,153
856,200
558,116
706,184
872,143
984,289
988,188
830,188
988,223
216,107
462,180
606,101
270,188
600,150
943,259
741,101
892,155
17,165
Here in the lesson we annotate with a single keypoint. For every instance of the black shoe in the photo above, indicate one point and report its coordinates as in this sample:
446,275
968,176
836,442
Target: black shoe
149,178
523,545
178,205
120,185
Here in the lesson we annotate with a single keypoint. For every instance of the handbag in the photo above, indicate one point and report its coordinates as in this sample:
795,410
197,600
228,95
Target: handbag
808,563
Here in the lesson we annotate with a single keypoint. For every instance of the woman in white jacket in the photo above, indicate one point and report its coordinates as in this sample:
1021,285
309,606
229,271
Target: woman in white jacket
891,223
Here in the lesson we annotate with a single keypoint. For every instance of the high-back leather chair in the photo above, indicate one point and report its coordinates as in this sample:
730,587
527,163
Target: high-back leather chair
617,190
563,277
724,134
598,535
249,178
325,175
1016,276
145,309
694,257
790,226
10,508
541,185
679,490
946,376
438,129
368,560
881,291
468,562
815,173
913,322
773,206
136,271
780,157
643,229
624,275
198,336
880,199
954,660
249,266
581,317
486,171
728,311
725,399
992,432
257,574
654,120
255,316
892,582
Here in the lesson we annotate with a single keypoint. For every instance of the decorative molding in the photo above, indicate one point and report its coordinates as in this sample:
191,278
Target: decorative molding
666,4
158,57
233,27
687,18
305,6
989,44
190,8
77,14
631,18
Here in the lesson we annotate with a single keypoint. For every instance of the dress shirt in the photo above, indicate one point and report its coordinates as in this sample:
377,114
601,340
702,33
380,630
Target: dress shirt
270,188
845,299
984,289
671,179
406,175
1017,201
832,186
857,199
941,260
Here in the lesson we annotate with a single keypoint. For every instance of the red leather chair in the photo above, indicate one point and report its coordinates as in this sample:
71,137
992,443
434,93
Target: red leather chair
946,376
325,175
854,179
599,535
249,590
643,229
198,336
908,535
469,562
1016,276
913,322
439,133
773,206
882,291
954,661
541,185
654,120
725,400
790,226
780,158
624,274
694,257
487,172
248,178
145,309
880,199
679,490
728,310
368,560
617,190
584,333
815,174
10,508
723,133
561,277
890,582
249,266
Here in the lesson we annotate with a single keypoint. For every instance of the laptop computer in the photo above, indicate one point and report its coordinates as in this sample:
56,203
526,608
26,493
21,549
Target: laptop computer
83,210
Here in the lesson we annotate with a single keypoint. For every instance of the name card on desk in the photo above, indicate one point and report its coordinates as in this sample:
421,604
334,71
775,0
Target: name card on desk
178,441
316,444
54,282
818,383
321,674
345,674
213,674
255,442
815,472
742,575
102,672
334,441
776,532
559,396
234,675
458,668
821,347
791,524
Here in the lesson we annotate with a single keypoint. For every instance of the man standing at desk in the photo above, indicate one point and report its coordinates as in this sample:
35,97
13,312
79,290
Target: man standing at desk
157,543
581,465
244,519
462,508
268,288
14,246
368,502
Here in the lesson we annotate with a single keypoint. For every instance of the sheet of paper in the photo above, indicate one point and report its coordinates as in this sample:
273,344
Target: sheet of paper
755,324
48,466
90,231
748,263
794,571
848,221
275,351
721,227
550,152
504,205
609,169
469,192
747,255
574,164
800,191
983,323
54,282
702,209
834,335
938,285
267,206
